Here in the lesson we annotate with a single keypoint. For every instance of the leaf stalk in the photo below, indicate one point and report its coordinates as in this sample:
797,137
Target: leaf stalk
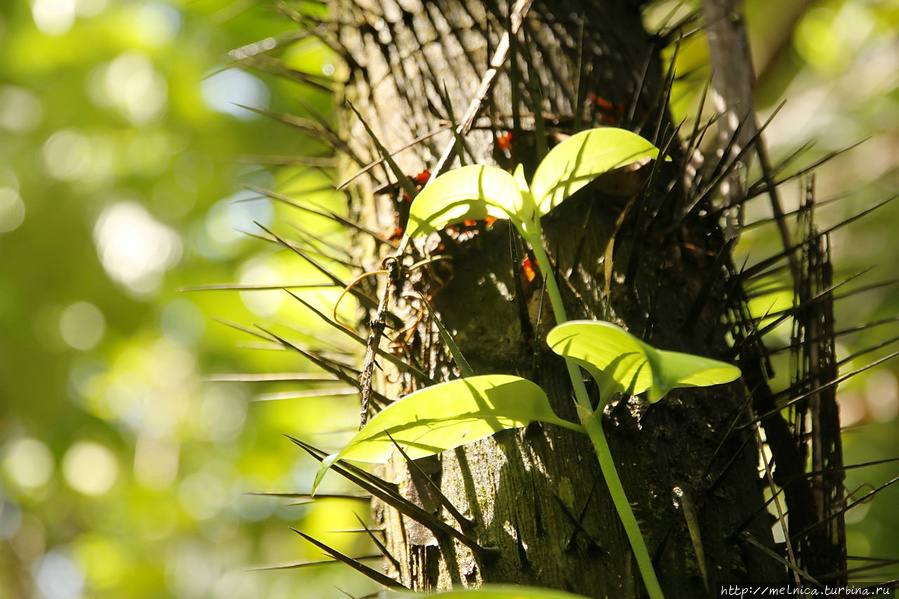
593,427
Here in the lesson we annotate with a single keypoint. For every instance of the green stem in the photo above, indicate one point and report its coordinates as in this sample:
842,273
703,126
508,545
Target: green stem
593,426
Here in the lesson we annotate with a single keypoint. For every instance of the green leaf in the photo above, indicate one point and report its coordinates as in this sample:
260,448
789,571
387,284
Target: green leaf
674,369
448,415
581,158
622,363
467,193
506,591
614,357
518,175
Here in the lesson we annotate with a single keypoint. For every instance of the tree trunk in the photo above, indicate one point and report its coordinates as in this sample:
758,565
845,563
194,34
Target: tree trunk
650,259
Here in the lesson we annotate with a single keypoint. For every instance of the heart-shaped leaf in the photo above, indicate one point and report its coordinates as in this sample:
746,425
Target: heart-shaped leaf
623,363
468,193
448,415
614,357
581,158
673,369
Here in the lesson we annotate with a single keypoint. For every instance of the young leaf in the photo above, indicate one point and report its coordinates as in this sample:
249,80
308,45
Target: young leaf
448,415
675,369
614,357
518,175
581,158
467,193
622,363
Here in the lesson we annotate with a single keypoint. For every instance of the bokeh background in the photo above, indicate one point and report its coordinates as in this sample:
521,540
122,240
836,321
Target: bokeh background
128,144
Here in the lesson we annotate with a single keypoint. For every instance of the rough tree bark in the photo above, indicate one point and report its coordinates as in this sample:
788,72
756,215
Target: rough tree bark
652,260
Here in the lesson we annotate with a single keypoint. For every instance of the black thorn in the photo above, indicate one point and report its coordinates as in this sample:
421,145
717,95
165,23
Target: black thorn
880,563
308,126
371,573
371,165
297,565
840,513
355,476
466,524
253,287
725,167
782,315
421,376
379,544
405,182
451,117
748,538
387,493
705,291
338,369
296,246
323,213
308,497
821,388
366,300
736,454
522,553
764,186
760,267
575,520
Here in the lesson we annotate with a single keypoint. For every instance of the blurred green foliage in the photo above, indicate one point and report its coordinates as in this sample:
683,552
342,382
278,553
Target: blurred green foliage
123,164
122,472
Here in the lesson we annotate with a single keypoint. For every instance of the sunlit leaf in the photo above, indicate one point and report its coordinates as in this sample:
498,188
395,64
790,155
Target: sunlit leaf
614,357
581,158
448,415
467,193
518,175
622,363
675,369
490,592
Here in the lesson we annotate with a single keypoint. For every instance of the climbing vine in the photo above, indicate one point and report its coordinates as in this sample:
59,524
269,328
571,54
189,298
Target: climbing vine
445,416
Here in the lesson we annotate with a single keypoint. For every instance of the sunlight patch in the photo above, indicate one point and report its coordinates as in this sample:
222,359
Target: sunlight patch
28,463
53,17
229,90
90,468
82,325
135,248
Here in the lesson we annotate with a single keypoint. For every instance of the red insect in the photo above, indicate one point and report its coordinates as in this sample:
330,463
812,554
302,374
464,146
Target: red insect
422,178
608,112
527,270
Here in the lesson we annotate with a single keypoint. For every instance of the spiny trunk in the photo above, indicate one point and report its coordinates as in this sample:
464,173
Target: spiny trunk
644,259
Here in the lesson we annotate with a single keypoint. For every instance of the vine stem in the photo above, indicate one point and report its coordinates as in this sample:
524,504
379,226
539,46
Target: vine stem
593,426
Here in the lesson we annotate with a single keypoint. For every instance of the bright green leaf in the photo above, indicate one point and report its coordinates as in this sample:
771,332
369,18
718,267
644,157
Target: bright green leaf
491,592
448,415
614,357
674,369
581,158
622,363
518,175
467,193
